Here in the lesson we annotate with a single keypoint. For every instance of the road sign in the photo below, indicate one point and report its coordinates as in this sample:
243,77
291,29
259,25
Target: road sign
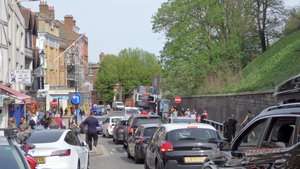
177,99
76,99
54,102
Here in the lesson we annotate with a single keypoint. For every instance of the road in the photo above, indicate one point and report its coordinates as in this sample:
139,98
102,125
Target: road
111,156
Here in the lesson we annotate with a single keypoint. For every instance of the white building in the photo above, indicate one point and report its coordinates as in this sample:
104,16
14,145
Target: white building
12,51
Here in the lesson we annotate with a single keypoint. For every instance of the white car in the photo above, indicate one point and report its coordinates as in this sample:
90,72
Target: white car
118,106
59,149
181,120
109,124
130,111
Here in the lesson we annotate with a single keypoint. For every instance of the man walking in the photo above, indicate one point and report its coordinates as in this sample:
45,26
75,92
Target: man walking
230,128
92,123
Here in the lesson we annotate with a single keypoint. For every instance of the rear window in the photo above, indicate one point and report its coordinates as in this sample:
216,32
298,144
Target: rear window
119,104
183,120
145,120
115,120
149,131
10,158
123,122
132,111
44,136
192,134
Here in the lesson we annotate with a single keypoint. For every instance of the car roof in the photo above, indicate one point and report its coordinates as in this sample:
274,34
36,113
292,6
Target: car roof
131,108
115,117
150,125
144,116
281,109
180,117
174,126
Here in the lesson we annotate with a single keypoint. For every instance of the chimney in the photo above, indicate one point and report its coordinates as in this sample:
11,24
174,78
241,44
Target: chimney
44,9
51,13
101,57
69,22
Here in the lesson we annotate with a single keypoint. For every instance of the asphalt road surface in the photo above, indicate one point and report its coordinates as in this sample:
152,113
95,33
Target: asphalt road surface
111,156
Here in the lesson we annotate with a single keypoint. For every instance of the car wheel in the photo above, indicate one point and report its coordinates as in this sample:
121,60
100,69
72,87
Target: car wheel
157,166
137,160
78,165
145,164
128,154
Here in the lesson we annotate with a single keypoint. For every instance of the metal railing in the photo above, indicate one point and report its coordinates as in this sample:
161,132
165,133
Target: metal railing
217,125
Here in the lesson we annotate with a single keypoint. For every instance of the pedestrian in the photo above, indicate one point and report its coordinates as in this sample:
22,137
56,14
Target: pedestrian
12,122
204,116
66,111
187,113
82,113
193,114
60,121
174,112
91,136
61,111
247,119
198,118
73,126
52,123
181,112
32,122
107,108
230,128
23,125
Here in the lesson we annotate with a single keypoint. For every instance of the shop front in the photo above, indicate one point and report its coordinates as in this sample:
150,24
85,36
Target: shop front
12,105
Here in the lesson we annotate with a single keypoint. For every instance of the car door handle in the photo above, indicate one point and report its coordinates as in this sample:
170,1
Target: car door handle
245,162
280,161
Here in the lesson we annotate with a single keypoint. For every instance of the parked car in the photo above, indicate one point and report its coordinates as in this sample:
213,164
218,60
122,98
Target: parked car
181,120
99,129
118,132
138,142
118,105
100,110
109,124
11,155
130,111
59,148
270,140
181,146
135,121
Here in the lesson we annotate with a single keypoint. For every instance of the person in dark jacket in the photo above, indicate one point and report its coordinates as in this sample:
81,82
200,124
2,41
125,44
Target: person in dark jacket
230,128
92,123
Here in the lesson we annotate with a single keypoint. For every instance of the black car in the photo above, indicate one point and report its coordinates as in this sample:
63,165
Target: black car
11,155
270,141
181,146
135,121
138,142
118,132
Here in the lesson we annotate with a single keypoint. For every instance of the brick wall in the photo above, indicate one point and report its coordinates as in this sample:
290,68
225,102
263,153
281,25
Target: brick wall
219,107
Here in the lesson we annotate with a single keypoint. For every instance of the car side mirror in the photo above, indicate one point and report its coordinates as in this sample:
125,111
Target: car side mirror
224,145
147,140
83,144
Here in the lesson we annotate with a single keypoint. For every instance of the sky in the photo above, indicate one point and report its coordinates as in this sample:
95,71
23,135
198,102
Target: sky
113,25
110,25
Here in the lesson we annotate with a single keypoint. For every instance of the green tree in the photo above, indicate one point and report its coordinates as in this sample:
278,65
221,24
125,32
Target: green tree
131,68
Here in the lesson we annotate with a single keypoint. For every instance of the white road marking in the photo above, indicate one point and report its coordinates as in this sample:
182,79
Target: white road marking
105,152
113,149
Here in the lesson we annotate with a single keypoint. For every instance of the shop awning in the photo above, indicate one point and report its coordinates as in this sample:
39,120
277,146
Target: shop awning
16,94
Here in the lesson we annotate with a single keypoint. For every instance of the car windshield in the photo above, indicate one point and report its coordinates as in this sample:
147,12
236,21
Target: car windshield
132,111
119,104
149,131
45,136
183,120
10,158
114,120
145,120
192,134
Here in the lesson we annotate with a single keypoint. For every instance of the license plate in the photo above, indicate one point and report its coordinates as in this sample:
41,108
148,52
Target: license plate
194,159
40,160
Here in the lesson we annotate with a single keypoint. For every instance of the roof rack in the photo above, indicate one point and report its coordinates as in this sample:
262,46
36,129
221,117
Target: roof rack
289,86
284,105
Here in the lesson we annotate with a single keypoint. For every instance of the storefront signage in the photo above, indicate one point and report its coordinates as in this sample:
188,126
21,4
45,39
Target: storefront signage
20,76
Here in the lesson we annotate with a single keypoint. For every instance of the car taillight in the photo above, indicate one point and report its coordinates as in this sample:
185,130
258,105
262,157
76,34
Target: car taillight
31,161
131,130
141,141
166,147
66,152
